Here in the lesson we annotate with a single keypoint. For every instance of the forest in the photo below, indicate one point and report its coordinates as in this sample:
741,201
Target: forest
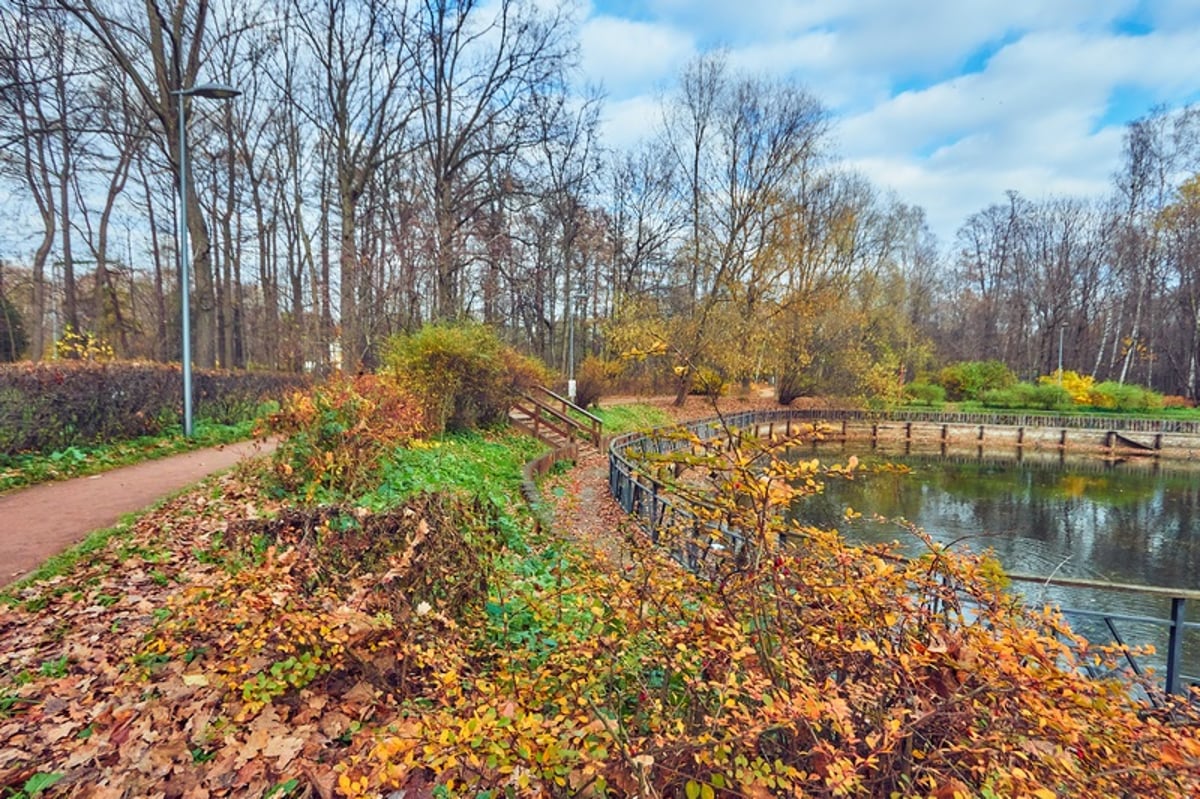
389,164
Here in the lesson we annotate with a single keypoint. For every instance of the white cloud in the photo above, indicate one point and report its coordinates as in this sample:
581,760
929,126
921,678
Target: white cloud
949,103
626,55
625,122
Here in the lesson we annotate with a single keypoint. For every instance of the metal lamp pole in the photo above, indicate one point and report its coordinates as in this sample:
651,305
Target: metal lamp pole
575,298
1061,328
216,92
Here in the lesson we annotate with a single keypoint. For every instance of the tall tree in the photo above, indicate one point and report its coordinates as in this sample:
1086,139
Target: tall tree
364,52
161,46
483,69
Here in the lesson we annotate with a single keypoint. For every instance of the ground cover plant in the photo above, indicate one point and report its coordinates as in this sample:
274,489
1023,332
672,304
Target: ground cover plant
414,634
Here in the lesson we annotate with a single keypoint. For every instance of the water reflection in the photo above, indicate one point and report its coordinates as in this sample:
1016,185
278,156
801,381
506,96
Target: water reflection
1129,522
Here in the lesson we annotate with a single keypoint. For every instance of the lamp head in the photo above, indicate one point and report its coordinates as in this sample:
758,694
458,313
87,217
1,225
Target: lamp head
215,91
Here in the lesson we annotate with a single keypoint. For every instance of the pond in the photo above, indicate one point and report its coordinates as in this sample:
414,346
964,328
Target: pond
1135,522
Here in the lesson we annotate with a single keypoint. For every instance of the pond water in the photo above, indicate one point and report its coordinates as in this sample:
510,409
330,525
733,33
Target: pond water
1135,522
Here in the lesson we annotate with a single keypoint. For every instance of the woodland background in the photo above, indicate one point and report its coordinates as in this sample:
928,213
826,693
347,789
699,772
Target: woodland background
392,164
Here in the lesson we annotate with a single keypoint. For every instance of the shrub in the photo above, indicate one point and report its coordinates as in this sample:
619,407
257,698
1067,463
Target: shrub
967,380
1014,397
83,346
228,397
1176,401
338,434
1078,386
707,382
592,381
462,374
1047,397
925,394
1050,397
1111,395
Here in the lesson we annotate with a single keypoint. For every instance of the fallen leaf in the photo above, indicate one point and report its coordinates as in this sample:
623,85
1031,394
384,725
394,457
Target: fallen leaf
283,748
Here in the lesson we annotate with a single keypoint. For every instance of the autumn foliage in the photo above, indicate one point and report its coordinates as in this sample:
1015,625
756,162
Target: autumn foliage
462,374
240,644
336,435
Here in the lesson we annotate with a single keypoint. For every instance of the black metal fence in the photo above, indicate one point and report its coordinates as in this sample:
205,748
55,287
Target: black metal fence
656,509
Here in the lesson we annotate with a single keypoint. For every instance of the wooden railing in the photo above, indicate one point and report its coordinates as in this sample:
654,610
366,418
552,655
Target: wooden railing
546,411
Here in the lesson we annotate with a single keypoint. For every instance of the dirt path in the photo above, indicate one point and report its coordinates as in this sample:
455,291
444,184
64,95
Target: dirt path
38,522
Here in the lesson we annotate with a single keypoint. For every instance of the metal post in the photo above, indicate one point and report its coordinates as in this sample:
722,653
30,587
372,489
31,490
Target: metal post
1061,327
184,281
1175,645
216,92
573,300
571,350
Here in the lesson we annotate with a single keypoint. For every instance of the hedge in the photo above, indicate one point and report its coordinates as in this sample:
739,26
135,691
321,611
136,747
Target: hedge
46,407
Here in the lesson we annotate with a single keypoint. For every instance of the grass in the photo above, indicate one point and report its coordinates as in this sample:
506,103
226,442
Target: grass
26,469
627,418
487,465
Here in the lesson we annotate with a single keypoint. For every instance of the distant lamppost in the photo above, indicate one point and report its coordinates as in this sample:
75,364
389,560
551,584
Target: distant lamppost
1062,326
575,299
216,92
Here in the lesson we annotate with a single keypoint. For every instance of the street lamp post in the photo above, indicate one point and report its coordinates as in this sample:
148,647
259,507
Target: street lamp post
1061,327
216,92
575,298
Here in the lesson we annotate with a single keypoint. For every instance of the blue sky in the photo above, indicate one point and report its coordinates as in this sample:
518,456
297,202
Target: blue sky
948,103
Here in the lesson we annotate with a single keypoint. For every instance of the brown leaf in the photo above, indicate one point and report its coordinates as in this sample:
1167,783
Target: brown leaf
283,748
54,734
334,724
361,694
321,778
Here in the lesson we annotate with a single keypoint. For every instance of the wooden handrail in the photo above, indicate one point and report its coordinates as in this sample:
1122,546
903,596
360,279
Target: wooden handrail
543,413
570,405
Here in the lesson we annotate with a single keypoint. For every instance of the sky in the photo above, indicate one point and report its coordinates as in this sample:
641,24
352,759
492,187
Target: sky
947,103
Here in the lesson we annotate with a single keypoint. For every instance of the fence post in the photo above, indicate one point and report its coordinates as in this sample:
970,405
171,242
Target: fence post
1175,645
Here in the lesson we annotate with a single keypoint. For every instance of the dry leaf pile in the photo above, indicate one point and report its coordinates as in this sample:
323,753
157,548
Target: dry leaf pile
180,662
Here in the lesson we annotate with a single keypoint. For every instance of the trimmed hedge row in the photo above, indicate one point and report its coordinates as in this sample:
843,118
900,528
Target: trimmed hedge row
46,407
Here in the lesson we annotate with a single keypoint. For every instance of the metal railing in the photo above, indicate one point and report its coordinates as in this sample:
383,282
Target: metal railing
1118,423
655,508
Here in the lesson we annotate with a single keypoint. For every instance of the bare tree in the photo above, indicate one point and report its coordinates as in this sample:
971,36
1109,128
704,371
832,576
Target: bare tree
482,69
161,48
35,45
364,56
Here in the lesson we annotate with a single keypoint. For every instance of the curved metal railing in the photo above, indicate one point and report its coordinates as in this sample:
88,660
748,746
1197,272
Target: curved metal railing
649,501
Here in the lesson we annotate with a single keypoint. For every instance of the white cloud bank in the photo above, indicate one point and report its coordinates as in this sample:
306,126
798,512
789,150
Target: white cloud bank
948,103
